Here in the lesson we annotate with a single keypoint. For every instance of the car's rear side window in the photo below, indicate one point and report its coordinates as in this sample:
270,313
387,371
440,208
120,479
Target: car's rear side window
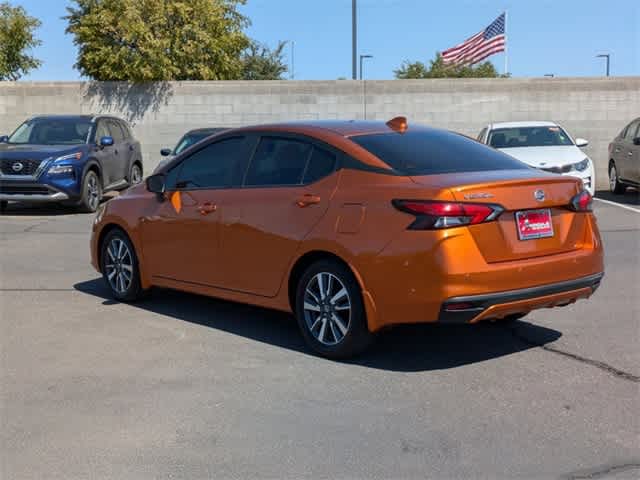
278,161
428,152
321,164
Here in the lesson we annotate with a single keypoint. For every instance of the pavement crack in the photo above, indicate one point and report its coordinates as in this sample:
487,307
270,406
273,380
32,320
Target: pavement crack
616,372
600,472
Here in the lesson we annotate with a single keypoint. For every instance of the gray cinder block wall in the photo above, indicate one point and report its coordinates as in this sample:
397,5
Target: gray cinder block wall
592,108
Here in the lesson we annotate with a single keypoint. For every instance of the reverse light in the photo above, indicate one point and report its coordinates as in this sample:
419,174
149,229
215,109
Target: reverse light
583,202
436,215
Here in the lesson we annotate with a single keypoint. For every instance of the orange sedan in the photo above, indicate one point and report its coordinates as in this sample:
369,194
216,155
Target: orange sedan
353,226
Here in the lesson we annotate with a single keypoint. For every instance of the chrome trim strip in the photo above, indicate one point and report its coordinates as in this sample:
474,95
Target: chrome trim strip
21,197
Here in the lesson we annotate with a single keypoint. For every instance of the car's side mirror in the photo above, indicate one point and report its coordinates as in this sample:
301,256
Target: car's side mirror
106,141
636,141
165,152
155,183
4,138
581,142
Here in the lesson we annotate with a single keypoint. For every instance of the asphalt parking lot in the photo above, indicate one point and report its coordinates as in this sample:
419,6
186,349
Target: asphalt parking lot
180,386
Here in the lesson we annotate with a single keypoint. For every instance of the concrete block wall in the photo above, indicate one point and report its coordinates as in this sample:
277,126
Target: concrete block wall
592,108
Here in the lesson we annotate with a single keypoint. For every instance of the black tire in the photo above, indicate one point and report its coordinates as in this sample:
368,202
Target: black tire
348,335
614,182
114,261
91,193
3,205
135,174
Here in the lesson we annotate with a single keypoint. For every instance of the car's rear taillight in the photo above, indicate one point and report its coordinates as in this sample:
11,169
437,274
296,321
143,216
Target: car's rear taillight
434,215
582,202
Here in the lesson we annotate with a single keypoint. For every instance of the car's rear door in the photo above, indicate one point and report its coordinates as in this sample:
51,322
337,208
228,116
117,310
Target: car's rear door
181,235
285,193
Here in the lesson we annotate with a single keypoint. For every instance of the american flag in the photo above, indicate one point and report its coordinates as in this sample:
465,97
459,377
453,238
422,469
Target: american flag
487,42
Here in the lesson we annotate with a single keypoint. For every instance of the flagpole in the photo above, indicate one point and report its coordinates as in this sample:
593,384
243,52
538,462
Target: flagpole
506,45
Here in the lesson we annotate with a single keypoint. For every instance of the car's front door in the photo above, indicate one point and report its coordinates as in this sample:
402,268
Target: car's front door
285,193
180,235
624,152
106,155
633,157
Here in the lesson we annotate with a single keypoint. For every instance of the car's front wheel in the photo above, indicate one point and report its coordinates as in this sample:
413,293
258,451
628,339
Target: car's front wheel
330,310
614,182
119,266
91,193
135,176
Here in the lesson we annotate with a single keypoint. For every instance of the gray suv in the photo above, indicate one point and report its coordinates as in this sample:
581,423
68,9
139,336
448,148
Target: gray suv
624,158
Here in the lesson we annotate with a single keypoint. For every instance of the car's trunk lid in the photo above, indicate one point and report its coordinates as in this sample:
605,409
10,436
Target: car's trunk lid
516,191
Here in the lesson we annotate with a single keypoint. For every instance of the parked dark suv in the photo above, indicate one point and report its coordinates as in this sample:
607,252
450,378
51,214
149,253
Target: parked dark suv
72,159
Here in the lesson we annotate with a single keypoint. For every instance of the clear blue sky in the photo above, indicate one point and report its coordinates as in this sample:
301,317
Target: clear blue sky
544,36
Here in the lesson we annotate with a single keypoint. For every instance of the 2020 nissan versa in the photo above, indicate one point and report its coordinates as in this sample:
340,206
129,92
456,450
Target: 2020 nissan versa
354,226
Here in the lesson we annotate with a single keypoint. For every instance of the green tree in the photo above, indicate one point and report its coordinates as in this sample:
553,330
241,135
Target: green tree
438,69
16,39
259,62
144,40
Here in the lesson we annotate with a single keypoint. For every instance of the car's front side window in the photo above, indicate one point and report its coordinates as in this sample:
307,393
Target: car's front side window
630,134
210,167
278,161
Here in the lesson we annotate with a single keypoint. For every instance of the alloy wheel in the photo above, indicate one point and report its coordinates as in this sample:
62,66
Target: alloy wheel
613,178
327,308
119,265
93,191
136,175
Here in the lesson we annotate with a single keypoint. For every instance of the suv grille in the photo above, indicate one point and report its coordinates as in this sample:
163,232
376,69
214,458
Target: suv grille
19,166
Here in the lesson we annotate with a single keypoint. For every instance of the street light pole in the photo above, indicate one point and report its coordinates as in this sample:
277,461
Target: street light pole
364,87
354,39
605,55
293,65
362,57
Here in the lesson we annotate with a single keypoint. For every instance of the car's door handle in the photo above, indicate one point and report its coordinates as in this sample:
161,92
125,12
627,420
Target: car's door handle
307,199
630,154
206,208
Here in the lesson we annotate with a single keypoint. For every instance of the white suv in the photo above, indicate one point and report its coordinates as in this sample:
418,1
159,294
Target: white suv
543,145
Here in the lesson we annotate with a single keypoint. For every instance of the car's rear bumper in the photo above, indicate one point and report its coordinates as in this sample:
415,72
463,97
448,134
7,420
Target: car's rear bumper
474,308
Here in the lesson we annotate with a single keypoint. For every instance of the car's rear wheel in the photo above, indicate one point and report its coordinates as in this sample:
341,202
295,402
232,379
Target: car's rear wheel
614,182
91,193
119,266
3,205
330,310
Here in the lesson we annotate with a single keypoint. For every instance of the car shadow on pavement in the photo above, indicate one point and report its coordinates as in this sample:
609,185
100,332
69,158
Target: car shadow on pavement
408,348
20,209
630,197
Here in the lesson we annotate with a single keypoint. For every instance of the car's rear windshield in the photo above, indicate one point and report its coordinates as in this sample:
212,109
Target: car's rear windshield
547,136
429,152
52,131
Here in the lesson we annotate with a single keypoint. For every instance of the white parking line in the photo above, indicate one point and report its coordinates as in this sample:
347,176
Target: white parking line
615,204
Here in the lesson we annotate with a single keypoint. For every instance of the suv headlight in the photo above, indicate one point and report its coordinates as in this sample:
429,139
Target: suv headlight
65,169
60,169
581,166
